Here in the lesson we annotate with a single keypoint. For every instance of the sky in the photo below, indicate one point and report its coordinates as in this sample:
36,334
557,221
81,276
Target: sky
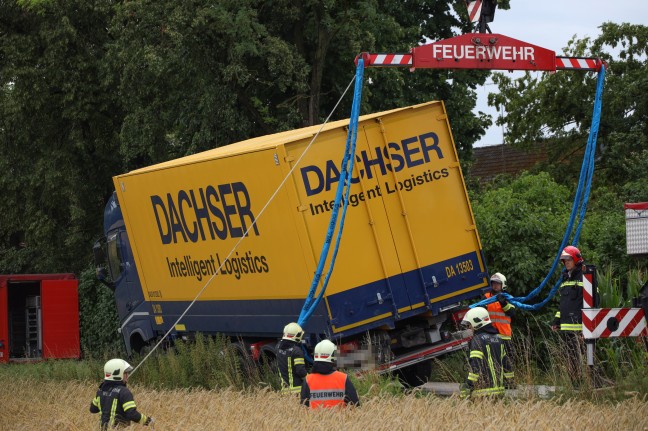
551,24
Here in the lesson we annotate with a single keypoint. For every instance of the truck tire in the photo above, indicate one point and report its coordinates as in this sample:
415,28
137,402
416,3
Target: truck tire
268,367
138,345
245,364
268,358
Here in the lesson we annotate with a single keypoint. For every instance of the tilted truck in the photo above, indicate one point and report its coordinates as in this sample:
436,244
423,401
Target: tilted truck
409,254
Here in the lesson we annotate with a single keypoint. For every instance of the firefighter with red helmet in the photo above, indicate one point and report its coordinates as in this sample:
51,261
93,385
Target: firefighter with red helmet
500,313
569,319
114,401
290,359
326,387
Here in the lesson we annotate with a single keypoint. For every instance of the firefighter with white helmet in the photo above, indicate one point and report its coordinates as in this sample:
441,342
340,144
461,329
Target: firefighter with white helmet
501,312
114,400
487,356
326,387
290,358
569,319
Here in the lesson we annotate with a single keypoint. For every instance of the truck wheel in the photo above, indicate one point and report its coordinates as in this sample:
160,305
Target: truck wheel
268,366
139,346
415,375
245,364
268,358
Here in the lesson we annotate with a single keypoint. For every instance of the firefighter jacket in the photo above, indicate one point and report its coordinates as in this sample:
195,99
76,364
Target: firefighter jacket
487,362
117,407
501,316
326,387
569,315
292,368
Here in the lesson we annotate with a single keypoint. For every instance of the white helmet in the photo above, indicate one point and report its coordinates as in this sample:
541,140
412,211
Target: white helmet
498,277
325,351
476,317
115,369
293,332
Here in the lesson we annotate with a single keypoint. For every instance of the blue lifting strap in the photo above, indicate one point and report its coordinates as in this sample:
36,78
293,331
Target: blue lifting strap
579,207
341,195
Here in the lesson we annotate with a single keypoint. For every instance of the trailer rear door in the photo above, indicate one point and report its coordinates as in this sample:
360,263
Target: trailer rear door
60,314
430,219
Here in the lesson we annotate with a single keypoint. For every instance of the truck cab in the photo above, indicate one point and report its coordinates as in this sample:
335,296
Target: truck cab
115,269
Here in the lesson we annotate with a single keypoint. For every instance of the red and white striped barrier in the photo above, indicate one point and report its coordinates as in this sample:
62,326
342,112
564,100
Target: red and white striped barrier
474,10
588,291
576,63
390,60
614,322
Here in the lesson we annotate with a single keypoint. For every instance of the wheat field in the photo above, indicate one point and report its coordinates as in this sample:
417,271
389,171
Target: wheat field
31,405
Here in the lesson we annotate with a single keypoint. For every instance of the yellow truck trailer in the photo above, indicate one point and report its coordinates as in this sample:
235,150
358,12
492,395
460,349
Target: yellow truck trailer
410,252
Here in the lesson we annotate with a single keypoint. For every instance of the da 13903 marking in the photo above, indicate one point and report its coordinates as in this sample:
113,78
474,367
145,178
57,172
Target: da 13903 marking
459,268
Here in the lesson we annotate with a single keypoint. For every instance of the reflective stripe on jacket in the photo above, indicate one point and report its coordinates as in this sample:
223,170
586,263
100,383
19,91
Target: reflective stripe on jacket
499,319
292,368
116,404
570,314
487,362
326,390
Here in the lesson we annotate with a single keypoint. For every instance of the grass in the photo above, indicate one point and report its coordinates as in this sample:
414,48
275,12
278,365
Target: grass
214,364
204,385
30,404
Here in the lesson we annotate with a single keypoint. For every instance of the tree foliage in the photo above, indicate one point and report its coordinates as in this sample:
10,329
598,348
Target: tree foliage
521,225
522,221
558,108
59,124
98,320
89,90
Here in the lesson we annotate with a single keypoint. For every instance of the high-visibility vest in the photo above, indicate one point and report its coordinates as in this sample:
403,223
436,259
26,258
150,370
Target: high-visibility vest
326,390
498,317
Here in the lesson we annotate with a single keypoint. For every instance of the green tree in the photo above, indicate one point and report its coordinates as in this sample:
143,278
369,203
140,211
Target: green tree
98,320
194,75
58,140
558,107
521,225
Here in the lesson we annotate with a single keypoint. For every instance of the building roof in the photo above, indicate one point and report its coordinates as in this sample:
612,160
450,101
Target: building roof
504,159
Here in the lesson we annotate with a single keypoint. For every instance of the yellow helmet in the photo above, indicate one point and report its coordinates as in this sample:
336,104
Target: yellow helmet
293,332
115,369
325,351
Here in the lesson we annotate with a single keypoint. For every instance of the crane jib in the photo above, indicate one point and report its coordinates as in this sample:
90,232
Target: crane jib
482,51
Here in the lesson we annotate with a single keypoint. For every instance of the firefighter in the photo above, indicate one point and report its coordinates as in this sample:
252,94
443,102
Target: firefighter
326,387
501,313
569,320
114,400
487,356
290,358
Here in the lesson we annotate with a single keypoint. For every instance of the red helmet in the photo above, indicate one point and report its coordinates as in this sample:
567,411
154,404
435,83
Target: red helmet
572,252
